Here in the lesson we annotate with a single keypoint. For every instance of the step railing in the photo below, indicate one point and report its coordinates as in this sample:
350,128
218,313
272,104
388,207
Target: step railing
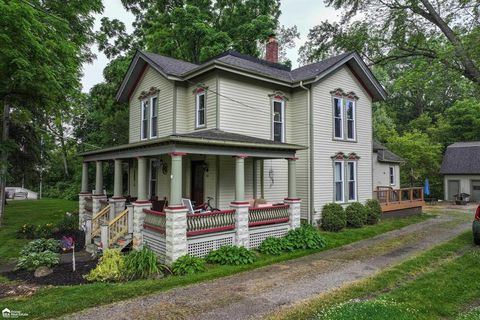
268,215
118,227
98,219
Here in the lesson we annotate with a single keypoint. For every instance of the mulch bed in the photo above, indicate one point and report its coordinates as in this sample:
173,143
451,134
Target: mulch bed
62,274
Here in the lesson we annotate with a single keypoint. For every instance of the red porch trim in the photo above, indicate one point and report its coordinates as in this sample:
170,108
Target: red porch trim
153,228
212,230
274,221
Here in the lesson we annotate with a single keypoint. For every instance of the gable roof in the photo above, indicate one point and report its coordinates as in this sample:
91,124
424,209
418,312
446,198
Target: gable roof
462,158
385,155
232,61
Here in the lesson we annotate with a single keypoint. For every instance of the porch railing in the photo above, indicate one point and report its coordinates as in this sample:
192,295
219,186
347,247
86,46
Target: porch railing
155,221
268,215
118,227
393,199
98,219
216,221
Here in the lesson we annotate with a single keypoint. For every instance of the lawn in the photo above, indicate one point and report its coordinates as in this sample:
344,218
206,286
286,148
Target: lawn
441,283
56,301
20,212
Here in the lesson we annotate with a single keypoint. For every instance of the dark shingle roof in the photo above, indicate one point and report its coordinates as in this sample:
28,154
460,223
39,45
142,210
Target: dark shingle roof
462,158
220,135
169,65
385,155
314,69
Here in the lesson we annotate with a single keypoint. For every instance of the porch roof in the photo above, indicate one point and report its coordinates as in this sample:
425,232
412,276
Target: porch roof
211,142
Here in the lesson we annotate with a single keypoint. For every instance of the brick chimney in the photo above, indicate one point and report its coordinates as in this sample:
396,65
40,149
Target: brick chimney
272,49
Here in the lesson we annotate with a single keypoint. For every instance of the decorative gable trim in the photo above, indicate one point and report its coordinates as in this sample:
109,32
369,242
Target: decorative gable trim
342,156
278,95
199,88
151,92
340,93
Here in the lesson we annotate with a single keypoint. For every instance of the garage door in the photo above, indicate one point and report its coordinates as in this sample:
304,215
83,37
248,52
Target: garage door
453,189
475,190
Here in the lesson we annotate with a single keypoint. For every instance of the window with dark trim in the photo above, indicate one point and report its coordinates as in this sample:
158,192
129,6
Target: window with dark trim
200,110
279,120
392,175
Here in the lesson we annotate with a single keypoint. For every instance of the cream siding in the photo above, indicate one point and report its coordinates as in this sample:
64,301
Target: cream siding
465,183
152,78
381,173
324,145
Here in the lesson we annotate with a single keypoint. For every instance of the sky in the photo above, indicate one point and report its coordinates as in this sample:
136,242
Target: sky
305,14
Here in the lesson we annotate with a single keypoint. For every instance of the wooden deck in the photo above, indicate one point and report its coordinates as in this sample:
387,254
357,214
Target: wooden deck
398,199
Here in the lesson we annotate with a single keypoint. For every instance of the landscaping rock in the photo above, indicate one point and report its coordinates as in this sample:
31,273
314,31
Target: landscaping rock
42,272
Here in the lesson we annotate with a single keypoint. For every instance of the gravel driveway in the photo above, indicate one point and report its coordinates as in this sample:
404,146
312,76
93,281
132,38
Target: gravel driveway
261,291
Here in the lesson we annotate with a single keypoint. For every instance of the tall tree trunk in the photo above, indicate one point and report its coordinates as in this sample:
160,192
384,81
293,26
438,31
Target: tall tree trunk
4,155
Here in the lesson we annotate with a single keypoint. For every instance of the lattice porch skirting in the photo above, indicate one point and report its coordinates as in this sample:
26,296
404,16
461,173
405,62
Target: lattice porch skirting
258,234
200,246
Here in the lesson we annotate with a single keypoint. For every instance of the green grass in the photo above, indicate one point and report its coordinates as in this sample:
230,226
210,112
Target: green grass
56,301
440,283
20,212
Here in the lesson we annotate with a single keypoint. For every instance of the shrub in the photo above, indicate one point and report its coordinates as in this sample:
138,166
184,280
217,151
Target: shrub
109,268
188,265
44,230
275,246
141,264
374,211
356,215
333,217
40,245
27,231
231,255
68,224
305,237
33,260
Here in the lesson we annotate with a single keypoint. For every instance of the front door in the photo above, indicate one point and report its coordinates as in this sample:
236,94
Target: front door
197,182
453,189
475,190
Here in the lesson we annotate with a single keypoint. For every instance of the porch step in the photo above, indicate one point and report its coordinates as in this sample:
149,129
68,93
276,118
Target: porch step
91,248
96,241
122,242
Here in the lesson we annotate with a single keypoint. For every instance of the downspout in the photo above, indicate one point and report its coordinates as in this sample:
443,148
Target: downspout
309,156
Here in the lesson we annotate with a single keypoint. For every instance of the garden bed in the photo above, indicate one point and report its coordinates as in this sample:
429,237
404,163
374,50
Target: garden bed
62,274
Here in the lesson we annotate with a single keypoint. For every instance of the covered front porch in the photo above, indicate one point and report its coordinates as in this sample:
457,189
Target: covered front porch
154,179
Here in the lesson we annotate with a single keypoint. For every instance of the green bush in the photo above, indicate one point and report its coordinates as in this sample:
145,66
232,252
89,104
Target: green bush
356,215
231,255
68,224
275,246
374,211
41,245
305,237
333,217
141,264
27,231
188,265
110,267
45,230
33,260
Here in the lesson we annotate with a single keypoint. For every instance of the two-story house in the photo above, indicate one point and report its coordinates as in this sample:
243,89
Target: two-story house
237,128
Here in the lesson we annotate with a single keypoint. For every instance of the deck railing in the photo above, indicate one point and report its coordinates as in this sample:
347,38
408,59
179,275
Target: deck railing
118,227
98,219
395,199
268,215
215,221
155,221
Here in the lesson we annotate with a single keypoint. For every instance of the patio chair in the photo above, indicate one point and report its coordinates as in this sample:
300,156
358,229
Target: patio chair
188,204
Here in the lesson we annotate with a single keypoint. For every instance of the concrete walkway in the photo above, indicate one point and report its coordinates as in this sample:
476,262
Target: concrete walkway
259,292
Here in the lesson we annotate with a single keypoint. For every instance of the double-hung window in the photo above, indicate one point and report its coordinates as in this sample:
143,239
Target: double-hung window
352,180
350,107
144,119
154,117
200,110
338,180
392,175
338,118
279,120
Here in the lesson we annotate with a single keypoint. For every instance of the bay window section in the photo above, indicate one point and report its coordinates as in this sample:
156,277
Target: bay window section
338,179
279,120
144,119
200,110
350,106
338,118
352,180
154,118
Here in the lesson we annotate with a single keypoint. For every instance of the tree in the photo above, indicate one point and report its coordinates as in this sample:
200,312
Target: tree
447,33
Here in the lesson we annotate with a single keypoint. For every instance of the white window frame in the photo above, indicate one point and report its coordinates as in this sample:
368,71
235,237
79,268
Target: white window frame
151,117
354,120
391,175
342,134
348,180
282,105
335,181
197,109
142,119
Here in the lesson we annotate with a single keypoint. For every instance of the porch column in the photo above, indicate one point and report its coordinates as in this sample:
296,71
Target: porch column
240,206
84,178
292,178
176,214
117,202
99,179
141,203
